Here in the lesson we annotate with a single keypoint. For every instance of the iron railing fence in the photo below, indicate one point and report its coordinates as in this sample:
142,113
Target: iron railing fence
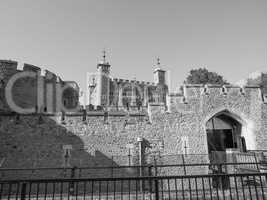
220,186
131,171
127,165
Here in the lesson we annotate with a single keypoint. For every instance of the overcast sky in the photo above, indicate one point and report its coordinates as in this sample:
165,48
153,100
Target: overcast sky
67,37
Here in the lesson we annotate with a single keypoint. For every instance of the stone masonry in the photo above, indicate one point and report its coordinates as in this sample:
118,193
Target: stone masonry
100,138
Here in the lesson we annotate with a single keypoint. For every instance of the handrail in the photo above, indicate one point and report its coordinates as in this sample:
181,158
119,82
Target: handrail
133,178
134,166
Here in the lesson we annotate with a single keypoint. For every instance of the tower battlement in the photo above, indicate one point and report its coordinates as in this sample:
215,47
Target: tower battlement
195,90
10,67
29,91
29,67
192,95
118,80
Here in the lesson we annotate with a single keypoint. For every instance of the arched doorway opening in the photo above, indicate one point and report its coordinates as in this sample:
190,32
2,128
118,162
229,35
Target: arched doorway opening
224,131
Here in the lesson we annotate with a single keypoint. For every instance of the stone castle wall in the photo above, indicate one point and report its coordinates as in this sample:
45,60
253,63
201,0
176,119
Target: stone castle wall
98,137
95,142
246,104
110,139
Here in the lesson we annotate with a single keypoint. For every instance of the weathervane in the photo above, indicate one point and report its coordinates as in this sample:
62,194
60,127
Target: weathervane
158,61
104,56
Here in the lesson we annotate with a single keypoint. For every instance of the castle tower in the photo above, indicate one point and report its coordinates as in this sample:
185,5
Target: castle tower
102,82
160,82
159,74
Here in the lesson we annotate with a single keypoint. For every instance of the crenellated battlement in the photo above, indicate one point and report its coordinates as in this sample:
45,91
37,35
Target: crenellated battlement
10,67
201,89
33,68
117,80
9,62
196,92
199,97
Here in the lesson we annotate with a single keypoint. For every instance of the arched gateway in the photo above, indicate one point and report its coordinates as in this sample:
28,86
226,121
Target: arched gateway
225,130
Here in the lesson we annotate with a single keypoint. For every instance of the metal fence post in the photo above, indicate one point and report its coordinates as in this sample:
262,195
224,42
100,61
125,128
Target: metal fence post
140,141
221,180
23,191
129,157
84,114
155,166
72,175
256,161
150,180
156,190
184,164
112,160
